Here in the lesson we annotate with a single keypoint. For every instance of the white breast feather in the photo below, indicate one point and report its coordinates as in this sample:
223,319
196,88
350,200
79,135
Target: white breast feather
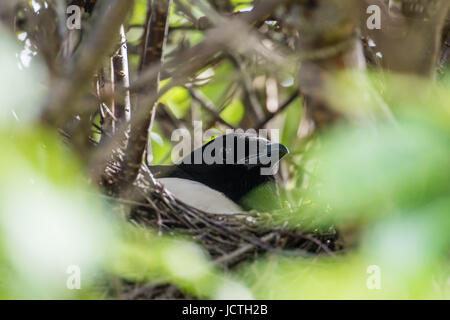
200,196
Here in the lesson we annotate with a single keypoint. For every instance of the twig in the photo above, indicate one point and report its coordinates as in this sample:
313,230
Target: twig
286,104
244,249
207,105
255,107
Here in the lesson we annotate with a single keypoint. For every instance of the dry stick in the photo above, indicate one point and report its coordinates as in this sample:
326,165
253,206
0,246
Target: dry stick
311,238
286,104
104,92
68,91
244,249
119,116
256,108
146,34
121,79
139,133
220,228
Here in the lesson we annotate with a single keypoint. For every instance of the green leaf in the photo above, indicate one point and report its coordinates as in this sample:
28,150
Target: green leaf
50,219
178,100
222,76
233,113
293,116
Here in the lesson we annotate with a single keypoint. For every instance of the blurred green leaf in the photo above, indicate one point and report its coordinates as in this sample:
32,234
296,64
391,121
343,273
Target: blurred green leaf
139,12
223,75
233,113
144,257
293,116
367,173
49,219
178,100
161,147
333,278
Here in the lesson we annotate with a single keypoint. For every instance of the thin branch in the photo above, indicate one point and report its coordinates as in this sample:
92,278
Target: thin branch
146,34
209,107
69,90
256,109
242,250
286,104
121,79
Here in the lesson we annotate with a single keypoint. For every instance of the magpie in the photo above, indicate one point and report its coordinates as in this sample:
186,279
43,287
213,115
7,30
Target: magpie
221,176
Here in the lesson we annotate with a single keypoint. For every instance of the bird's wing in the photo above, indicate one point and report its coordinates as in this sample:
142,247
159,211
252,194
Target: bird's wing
200,196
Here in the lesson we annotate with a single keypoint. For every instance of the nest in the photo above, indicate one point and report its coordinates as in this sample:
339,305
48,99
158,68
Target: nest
230,240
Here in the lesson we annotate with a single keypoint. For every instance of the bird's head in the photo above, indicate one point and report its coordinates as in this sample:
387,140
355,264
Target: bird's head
241,149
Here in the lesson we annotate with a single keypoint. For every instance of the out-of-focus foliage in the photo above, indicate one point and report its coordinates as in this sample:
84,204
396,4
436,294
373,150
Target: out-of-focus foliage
390,180
54,225
385,173
17,74
178,100
51,221
143,257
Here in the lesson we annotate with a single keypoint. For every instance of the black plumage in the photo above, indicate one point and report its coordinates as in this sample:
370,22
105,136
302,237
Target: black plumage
237,171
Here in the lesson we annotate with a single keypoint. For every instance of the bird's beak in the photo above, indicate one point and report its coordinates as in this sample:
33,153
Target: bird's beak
270,155
277,149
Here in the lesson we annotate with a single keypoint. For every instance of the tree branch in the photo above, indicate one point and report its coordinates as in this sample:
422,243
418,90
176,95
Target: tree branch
71,88
121,80
286,104
143,118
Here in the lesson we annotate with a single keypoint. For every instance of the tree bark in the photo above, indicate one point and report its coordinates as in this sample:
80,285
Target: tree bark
157,29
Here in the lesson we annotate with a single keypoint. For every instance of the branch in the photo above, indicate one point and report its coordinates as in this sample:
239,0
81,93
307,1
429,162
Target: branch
142,119
121,80
256,110
286,104
71,88
196,58
209,107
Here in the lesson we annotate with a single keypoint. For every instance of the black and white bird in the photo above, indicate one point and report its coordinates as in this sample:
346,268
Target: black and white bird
220,176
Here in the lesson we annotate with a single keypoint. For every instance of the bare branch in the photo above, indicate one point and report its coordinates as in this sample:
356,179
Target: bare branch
69,90
141,126
286,104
